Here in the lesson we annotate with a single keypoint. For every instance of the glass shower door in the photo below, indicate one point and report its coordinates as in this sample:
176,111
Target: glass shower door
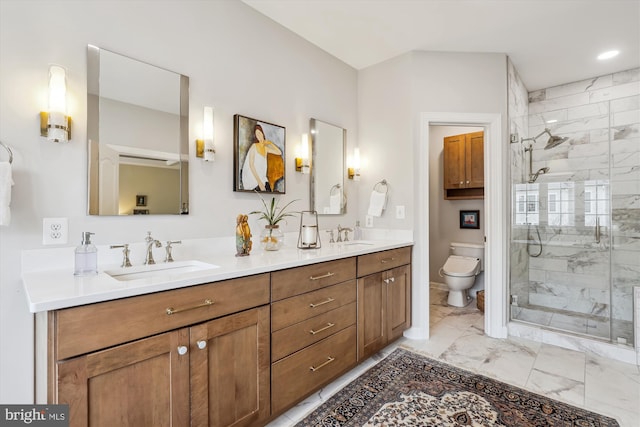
562,246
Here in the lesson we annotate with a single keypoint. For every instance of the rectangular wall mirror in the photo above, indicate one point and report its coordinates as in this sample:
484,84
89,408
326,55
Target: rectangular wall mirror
328,144
137,130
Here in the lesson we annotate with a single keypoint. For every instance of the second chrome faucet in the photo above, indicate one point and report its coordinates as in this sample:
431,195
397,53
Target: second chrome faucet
151,242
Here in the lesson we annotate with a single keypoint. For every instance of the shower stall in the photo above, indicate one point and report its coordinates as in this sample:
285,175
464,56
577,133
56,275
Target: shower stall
575,223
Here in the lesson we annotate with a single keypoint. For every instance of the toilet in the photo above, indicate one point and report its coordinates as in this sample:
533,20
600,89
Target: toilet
460,270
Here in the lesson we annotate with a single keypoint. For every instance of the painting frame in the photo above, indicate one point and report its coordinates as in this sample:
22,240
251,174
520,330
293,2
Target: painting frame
141,200
268,174
470,219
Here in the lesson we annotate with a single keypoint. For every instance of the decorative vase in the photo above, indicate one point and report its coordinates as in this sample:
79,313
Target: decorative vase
271,238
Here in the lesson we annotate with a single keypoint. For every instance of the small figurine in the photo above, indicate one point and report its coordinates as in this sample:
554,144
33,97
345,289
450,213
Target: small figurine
243,235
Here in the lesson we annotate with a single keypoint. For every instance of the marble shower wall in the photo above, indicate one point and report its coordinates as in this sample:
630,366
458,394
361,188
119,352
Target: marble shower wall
518,111
595,174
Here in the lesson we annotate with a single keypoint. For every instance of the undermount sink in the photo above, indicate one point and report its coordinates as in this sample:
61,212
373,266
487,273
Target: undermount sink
170,269
358,242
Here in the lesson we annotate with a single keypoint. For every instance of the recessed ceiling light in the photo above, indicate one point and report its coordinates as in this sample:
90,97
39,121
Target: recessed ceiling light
552,121
608,55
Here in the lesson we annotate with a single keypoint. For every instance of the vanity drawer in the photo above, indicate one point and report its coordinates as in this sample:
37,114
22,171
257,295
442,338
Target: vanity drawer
302,307
298,336
295,281
294,377
385,260
92,327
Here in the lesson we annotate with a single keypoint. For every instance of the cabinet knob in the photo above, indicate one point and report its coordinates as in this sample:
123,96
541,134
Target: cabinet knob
182,350
467,182
202,344
461,182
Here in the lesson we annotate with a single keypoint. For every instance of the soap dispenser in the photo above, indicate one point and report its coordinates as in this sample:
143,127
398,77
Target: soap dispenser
357,231
86,257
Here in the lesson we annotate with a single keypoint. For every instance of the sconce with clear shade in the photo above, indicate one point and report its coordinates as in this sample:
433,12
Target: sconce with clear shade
302,159
55,125
204,147
353,170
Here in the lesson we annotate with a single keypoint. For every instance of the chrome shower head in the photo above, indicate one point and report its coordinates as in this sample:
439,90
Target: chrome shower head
554,141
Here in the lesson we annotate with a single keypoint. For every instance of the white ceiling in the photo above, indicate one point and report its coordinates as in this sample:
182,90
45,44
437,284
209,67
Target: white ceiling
550,42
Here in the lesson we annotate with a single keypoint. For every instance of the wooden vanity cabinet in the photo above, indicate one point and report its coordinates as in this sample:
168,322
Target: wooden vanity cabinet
384,299
463,166
313,328
203,359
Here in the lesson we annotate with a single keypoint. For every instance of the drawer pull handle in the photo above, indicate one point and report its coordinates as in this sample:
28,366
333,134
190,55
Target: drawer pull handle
171,310
328,300
329,274
329,360
329,325
386,260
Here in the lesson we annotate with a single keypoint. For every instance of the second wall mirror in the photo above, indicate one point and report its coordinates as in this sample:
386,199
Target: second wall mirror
327,168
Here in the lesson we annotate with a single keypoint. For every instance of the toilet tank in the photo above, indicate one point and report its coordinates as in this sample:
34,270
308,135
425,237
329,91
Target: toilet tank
475,250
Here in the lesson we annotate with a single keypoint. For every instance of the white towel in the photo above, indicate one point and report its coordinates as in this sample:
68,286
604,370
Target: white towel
377,203
335,203
5,192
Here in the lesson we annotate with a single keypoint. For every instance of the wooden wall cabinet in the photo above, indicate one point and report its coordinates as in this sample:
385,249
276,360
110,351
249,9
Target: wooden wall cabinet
208,366
463,166
384,299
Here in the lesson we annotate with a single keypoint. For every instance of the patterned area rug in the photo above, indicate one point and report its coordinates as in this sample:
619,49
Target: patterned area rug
408,389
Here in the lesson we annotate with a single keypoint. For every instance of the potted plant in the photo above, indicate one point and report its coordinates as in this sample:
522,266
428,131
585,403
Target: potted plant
271,237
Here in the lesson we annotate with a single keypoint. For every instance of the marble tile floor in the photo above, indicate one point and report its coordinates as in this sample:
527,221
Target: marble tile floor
585,380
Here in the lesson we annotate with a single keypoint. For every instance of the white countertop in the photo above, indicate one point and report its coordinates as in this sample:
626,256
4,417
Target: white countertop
51,288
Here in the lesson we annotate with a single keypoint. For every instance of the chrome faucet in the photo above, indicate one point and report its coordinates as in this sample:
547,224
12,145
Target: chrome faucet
125,254
151,242
346,233
167,248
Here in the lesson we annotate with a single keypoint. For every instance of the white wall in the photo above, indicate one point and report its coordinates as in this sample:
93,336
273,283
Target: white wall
392,96
238,62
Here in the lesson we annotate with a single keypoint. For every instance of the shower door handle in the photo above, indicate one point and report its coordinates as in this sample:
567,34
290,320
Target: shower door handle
597,229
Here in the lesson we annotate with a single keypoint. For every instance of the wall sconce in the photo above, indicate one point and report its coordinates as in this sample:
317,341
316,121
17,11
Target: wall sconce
353,171
55,125
204,147
302,159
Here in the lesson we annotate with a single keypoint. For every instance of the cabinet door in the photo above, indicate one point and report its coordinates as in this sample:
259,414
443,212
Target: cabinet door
143,383
398,283
474,160
454,162
372,332
230,370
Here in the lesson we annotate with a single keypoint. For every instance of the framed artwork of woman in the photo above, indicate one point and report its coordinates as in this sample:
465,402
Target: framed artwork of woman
259,156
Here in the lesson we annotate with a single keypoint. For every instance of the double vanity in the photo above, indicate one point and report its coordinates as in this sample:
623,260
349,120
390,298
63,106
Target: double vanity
215,340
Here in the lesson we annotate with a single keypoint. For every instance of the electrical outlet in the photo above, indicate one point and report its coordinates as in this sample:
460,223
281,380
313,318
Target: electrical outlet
368,221
55,231
400,212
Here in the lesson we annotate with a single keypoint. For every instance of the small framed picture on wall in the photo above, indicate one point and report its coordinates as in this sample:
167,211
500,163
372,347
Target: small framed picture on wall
469,219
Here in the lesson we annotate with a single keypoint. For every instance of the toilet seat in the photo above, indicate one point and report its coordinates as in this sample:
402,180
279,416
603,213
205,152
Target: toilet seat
461,266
